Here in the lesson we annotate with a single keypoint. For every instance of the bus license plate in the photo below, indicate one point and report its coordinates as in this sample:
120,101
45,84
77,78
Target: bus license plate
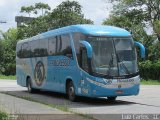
119,92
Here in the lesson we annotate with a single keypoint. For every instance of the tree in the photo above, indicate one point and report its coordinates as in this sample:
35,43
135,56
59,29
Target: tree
1,54
28,9
148,11
42,7
67,13
8,53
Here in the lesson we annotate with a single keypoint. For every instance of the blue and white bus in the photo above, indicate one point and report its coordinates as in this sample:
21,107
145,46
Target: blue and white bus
80,60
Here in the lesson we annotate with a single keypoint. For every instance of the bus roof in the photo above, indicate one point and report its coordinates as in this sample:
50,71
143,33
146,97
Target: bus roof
94,30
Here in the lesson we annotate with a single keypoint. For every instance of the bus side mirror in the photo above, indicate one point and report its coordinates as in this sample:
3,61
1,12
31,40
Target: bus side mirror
88,48
142,49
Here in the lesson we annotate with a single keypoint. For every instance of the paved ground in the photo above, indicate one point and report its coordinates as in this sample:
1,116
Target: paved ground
147,102
18,106
27,109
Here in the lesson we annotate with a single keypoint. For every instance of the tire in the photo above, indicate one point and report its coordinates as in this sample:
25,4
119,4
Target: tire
71,92
29,86
112,99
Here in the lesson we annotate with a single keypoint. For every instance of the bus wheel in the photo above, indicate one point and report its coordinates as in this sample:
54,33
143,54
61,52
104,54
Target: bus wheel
71,92
29,85
112,99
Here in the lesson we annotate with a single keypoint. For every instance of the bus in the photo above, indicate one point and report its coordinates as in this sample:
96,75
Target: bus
80,60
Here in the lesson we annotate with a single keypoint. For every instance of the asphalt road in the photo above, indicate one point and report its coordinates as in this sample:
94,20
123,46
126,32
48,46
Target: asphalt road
147,102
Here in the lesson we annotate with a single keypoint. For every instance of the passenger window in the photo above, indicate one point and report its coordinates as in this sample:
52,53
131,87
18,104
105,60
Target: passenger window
52,46
64,46
18,49
58,45
43,46
76,39
35,48
25,50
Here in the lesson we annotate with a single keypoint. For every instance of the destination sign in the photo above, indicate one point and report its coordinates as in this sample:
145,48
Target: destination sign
61,62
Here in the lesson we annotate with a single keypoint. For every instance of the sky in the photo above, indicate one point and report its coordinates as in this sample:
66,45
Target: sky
96,10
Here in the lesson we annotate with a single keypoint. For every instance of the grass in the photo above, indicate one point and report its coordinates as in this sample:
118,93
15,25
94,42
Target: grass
10,77
150,82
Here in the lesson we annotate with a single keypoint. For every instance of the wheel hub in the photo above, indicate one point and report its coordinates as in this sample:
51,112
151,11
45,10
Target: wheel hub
71,91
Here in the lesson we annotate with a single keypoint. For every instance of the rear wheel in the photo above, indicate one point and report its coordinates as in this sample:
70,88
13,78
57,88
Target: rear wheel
112,99
29,86
71,91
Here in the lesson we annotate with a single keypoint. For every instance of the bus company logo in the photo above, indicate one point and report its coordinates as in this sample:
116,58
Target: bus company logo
39,73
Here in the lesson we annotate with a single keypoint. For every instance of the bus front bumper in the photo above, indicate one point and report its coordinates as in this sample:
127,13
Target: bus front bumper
96,89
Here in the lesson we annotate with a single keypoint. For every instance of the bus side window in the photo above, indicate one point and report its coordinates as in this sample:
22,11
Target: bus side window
52,46
76,39
64,46
25,50
43,47
19,51
34,48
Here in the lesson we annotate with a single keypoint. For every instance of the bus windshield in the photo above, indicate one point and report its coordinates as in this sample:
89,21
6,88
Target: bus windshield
113,56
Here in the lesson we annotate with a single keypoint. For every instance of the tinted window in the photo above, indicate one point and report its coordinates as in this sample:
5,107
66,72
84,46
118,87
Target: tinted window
43,47
58,45
25,50
34,48
64,45
52,45
84,60
76,39
18,49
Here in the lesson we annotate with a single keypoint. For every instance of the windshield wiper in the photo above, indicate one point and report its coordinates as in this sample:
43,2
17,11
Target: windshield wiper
123,65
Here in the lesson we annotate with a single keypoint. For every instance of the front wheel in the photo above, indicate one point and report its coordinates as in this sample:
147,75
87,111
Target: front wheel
112,99
71,92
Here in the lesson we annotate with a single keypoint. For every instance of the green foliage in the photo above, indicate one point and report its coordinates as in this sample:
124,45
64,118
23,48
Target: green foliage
4,115
67,13
157,26
150,70
8,52
150,82
28,9
33,9
42,7
10,77
37,26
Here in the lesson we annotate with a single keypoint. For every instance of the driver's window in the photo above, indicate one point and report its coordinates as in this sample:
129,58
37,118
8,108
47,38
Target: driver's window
84,60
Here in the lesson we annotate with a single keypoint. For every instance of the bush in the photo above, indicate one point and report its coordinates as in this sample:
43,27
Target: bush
4,116
150,70
8,52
